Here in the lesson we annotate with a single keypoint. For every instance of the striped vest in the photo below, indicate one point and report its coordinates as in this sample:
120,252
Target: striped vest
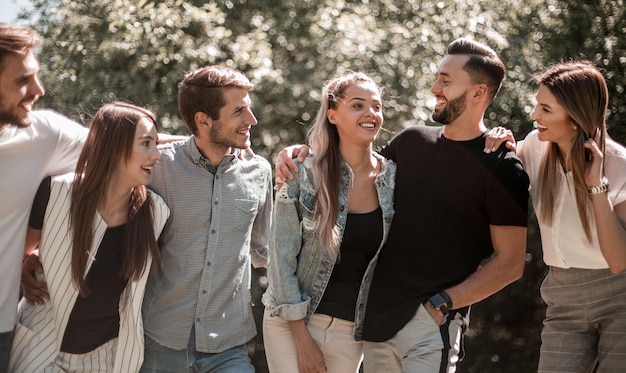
40,328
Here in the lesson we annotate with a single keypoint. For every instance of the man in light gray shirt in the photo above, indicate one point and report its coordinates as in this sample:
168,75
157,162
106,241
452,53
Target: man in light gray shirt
197,308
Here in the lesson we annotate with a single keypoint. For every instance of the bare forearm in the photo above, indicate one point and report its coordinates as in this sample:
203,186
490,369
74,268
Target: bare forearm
299,331
33,237
486,281
611,232
165,138
505,267
310,357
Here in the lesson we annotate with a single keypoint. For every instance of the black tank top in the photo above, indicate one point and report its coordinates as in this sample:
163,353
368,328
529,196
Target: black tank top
361,239
95,319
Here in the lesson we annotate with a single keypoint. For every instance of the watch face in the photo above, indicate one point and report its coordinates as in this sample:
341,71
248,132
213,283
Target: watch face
439,303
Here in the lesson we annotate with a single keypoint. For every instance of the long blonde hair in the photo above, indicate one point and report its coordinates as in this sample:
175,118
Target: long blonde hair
324,141
582,91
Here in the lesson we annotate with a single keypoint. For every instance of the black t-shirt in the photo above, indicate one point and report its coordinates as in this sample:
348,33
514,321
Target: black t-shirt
447,195
95,319
360,241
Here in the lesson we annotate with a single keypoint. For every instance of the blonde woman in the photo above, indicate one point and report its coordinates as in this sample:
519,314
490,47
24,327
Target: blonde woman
329,224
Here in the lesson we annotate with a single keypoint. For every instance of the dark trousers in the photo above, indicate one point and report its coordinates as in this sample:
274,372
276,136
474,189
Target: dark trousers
5,348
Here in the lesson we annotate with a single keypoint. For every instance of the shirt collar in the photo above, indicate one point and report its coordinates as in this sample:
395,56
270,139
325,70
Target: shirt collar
198,158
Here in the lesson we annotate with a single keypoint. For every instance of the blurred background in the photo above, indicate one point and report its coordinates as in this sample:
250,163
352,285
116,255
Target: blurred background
137,50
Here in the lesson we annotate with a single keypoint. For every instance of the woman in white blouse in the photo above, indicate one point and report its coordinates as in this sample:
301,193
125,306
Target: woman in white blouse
578,186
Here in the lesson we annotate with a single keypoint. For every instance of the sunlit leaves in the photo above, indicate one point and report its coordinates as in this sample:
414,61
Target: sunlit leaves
138,50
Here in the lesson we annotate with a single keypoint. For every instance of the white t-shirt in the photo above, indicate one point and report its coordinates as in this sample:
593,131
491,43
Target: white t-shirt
49,146
564,243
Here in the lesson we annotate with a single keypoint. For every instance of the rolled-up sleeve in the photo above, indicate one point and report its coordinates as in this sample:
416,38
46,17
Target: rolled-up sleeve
261,227
285,244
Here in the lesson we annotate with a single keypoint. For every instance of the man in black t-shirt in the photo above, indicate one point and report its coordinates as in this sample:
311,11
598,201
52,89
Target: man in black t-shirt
459,229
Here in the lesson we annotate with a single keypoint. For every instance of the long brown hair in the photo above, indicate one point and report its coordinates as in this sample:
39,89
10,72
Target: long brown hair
109,142
582,91
324,140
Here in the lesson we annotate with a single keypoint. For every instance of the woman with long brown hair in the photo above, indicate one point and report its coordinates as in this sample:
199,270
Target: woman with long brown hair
578,188
96,231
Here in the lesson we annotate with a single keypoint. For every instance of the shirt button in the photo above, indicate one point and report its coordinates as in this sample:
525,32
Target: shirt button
197,319
204,291
216,203
208,264
217,177
212,231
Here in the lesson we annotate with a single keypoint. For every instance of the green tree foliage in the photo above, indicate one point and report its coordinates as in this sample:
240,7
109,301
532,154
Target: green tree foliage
138,50
594,30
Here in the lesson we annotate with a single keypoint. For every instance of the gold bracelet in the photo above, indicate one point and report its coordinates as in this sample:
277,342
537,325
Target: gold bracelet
602,188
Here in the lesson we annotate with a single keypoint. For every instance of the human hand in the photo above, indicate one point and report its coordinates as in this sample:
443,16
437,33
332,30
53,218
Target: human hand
593,168
285,165
434,313
166,138
496,136
310,357
35,291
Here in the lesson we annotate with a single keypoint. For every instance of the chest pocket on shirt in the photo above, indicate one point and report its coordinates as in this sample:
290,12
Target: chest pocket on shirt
246,210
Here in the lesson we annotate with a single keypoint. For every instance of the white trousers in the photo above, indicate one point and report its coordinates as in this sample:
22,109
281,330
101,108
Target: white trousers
100,360
342,354
419,347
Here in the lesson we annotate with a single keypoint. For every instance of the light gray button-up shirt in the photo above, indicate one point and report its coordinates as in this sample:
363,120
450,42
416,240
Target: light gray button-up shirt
219,224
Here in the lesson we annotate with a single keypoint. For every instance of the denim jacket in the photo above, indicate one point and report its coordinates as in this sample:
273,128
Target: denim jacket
300,267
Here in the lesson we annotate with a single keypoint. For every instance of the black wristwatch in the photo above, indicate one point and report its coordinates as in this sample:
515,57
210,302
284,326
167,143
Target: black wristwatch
442,302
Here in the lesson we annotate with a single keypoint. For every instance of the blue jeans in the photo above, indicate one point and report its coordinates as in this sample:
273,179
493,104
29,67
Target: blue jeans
5,348
159,359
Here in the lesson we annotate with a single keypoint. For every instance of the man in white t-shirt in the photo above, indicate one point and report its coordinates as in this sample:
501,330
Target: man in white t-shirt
33,144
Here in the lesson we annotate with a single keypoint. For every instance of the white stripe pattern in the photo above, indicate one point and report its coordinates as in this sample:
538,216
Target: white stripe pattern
40,328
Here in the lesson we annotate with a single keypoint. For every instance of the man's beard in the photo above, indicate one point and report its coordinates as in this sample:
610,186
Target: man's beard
453,110
219,137
10,117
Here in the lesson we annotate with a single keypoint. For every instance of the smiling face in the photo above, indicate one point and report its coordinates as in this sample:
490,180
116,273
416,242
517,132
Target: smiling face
358,114
232,129
137,169
552,120
450,89
19,88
